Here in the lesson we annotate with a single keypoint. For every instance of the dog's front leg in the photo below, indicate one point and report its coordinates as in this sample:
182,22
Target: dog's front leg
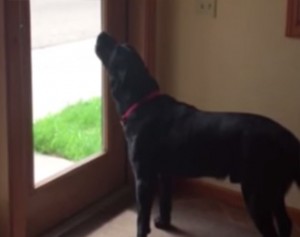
163,221
144,196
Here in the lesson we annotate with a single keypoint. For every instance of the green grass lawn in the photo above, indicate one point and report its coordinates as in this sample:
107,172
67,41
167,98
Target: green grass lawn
73,133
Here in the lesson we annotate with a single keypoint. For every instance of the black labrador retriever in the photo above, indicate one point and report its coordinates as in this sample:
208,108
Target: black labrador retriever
167,138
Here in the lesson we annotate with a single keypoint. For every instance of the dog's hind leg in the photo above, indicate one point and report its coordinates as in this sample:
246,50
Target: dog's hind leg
260,211
282,219
163,221
144,196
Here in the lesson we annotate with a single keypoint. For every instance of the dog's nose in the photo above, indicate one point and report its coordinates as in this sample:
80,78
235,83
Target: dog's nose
104,46
106,41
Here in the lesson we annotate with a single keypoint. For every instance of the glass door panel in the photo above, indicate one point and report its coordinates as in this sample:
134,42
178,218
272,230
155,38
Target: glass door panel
66,85
79,151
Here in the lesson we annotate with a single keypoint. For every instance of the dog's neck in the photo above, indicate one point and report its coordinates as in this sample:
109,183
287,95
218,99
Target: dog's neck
152,95
129,99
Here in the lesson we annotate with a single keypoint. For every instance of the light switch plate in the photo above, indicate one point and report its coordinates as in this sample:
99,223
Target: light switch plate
206,7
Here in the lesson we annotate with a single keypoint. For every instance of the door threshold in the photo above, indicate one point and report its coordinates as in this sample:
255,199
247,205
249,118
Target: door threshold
111,203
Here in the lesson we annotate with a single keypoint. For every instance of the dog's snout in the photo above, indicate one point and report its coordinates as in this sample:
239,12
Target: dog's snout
106,41
104,47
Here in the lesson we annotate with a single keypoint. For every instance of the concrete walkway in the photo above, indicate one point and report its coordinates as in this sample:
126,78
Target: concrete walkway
62,75
46,166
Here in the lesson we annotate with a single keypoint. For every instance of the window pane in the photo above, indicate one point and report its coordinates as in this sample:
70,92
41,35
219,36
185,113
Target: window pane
66,84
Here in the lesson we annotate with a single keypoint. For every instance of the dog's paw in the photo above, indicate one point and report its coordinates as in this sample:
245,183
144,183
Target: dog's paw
144,233
162,224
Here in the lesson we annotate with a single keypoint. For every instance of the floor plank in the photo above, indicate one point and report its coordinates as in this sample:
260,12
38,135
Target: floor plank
192,218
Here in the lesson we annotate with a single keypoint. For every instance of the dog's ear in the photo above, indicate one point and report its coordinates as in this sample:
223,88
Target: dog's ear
104,47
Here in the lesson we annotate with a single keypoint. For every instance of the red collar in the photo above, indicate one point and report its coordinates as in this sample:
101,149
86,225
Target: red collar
152,95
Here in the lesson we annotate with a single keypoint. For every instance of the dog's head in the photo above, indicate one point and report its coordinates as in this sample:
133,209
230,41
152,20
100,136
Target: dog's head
129,77
117,58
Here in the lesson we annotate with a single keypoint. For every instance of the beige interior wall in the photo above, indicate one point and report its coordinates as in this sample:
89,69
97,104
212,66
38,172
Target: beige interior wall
238,61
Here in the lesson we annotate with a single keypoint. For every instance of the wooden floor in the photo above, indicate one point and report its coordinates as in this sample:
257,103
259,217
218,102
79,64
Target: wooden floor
192,218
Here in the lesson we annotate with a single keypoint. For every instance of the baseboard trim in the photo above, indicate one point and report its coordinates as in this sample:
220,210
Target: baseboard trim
198,188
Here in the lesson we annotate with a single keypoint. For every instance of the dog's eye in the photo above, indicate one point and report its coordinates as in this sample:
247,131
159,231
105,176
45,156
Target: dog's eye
118,65
117,58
